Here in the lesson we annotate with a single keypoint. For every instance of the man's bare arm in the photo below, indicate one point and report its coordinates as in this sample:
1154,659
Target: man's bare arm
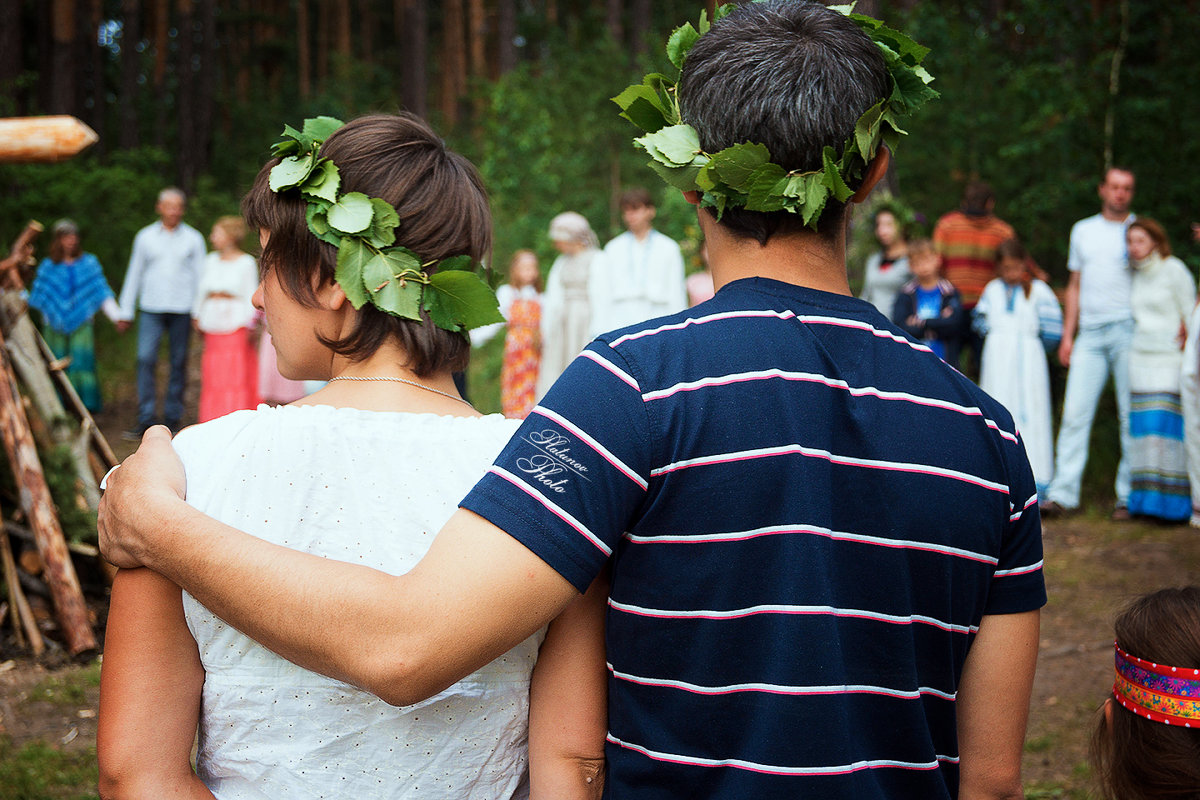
476,594
993,706
1070,320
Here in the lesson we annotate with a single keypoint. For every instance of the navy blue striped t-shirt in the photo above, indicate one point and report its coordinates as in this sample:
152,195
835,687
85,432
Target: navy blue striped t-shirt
807,514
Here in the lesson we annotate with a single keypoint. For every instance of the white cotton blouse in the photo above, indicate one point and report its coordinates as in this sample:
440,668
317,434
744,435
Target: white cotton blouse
371,488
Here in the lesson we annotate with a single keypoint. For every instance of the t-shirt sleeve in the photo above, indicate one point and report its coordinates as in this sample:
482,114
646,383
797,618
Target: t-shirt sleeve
1074,255
568,484
1018,583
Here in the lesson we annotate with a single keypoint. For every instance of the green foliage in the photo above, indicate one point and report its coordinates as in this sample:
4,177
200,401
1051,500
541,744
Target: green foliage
743,175
38,771
67,689
78,524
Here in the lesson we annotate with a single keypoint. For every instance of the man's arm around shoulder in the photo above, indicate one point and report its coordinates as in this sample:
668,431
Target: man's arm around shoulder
477,592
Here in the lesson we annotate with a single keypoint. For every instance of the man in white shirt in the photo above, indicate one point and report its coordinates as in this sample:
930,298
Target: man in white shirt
164,271
643,275
1097,331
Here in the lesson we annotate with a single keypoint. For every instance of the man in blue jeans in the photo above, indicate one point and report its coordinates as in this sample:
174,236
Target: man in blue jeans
164,270
1097,331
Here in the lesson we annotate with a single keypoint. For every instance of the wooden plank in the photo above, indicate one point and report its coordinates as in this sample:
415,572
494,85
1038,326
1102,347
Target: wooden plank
40,140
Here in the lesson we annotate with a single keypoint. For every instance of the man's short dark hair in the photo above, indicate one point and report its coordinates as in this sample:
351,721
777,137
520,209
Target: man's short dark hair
635,197
794,76
977,196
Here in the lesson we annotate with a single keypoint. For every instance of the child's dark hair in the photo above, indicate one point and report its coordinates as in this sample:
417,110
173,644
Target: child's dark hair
1140,759
1011,248
636,197
443,212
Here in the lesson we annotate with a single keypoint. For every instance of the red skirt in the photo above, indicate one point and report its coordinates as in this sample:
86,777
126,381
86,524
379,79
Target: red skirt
228,374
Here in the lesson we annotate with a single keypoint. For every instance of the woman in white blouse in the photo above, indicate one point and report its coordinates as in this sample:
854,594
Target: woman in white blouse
224,314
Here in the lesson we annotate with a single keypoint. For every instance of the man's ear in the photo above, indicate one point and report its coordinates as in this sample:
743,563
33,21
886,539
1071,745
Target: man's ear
875,172
692,196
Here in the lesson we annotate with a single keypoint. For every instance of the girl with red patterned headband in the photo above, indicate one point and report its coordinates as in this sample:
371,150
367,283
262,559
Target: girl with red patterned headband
1147,744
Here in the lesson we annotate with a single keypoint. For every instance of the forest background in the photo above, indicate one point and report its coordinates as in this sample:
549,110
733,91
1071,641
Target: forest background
1038,98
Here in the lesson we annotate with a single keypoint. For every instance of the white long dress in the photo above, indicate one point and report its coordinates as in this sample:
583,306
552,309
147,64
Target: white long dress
1014,368
566,324
1189,380
371,488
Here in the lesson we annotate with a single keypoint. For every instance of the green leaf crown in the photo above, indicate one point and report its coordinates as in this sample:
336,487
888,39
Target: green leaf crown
743,175
371,266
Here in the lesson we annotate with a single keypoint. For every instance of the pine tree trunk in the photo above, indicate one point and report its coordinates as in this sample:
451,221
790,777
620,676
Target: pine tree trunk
639,28
159,26
506,36
10,52
62,66
412,31
205,81
185,97
612,19
454,60
97,104
131,32
303,53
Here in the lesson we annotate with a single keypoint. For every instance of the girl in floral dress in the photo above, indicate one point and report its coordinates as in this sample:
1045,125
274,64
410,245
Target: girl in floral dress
521,304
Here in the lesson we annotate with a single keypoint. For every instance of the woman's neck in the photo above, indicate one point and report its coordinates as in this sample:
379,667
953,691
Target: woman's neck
230,253
428,394
896,250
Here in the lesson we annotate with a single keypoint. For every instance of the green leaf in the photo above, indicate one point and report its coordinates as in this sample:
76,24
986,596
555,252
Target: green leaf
389,277
458,300
318,129
682,178
833,177
290,172
384,220
352,257
289,145
643,106
766,188
681,41
722,11
463,262
866,130
319,225
352,213
678,144
323,182
814,202
734,165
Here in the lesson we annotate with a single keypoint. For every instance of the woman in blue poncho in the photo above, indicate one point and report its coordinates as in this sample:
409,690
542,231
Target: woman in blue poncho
69,289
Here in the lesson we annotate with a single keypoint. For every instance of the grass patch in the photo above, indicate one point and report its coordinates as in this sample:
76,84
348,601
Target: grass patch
38,771
1041,744
1047,791
69,689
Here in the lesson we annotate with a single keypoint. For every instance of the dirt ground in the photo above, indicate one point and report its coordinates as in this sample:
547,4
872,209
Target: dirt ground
1093,566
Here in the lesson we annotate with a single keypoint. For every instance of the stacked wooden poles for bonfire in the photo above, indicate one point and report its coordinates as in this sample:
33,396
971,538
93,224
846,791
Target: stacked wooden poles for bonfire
27,362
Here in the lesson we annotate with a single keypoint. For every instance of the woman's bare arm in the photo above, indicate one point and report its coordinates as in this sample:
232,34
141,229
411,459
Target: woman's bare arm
150,689
568,702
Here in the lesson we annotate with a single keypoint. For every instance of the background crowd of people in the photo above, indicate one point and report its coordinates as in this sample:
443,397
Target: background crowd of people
971,292
974,295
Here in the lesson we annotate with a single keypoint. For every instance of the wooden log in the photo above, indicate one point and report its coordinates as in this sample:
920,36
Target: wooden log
39,510
88,422
23,622
42,140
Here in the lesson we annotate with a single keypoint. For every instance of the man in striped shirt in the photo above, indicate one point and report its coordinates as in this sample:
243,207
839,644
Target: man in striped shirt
824,544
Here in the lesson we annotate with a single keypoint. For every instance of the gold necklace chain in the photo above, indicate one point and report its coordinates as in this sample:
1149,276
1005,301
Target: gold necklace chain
397,380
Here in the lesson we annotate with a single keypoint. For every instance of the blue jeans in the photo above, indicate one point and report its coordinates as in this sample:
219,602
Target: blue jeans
1098,351
151,327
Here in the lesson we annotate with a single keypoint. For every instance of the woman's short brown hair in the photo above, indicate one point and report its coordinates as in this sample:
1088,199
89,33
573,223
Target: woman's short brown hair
443,212
1136,758
1156,232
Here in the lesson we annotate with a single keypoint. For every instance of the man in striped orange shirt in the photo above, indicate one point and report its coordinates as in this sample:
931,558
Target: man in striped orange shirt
966,240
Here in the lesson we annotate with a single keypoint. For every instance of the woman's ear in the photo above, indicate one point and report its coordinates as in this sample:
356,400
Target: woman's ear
331,296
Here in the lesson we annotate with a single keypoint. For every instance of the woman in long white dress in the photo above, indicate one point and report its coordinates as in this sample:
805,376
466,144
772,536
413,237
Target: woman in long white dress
1163,296
567,301
1020,318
